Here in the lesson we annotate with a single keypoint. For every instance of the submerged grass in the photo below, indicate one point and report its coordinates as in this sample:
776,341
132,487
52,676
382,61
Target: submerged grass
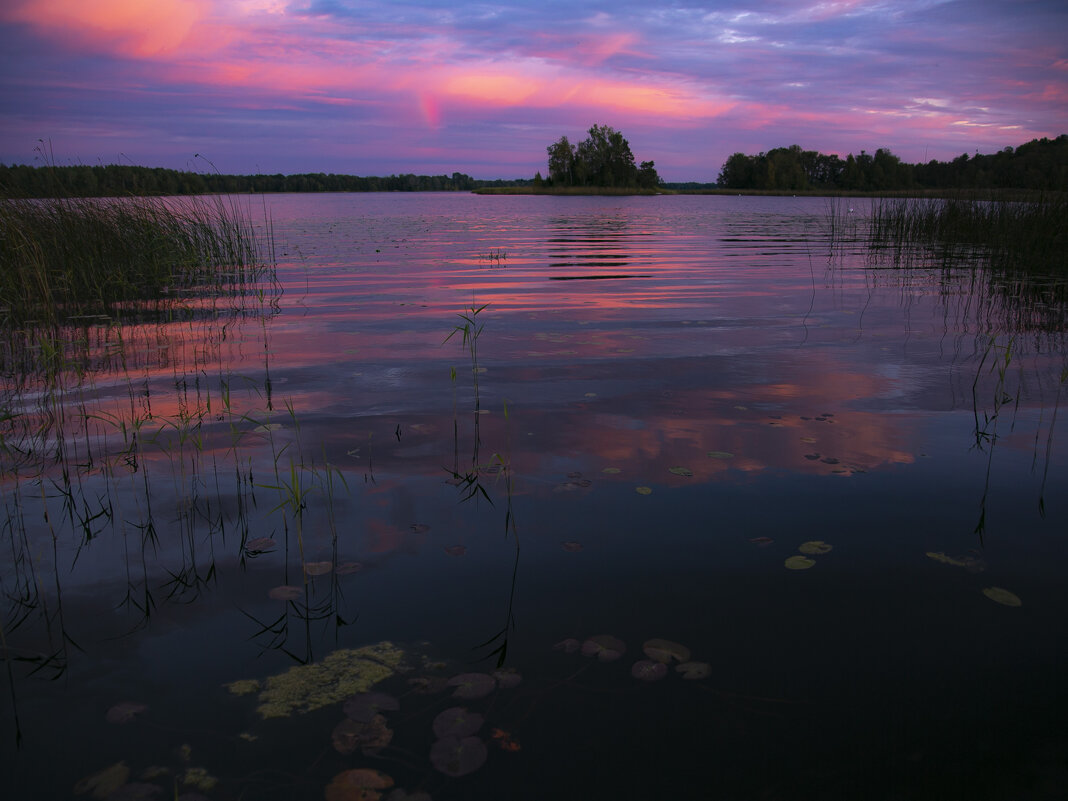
61,257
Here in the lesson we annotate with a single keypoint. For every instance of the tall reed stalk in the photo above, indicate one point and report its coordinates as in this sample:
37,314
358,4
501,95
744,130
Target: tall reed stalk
61,257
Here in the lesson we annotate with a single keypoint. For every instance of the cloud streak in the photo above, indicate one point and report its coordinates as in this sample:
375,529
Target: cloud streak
373,88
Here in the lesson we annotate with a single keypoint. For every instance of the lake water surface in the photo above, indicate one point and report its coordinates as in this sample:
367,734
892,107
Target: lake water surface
701,419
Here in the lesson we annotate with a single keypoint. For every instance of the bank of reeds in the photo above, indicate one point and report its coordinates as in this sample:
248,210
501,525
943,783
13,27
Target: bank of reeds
1007,234
61,257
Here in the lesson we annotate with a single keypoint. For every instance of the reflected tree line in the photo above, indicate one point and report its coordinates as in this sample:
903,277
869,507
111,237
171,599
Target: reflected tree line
1041,164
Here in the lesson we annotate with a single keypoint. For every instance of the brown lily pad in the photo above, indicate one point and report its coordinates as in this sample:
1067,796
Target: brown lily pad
648,670
371,736
286,592
360,784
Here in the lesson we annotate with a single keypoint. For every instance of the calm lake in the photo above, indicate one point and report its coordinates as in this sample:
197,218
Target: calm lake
696,501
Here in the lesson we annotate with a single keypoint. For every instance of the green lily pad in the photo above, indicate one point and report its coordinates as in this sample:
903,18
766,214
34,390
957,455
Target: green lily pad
681,471
721,454
694,670
457,722
799,563
814,547
455,756
472,685
318,568
605,647
1002,596
644,490
568,646
362,707
611,470
665,651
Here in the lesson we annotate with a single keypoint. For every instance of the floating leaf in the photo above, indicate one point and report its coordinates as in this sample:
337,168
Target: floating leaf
363,707
318,568
360,784
348,568
507,678
455,550
814,547
573,547
285,593
972,564
723,454
505,740
420,528
694,670
401,795
124,712
568,646
605,647
681,471
665,651
259,544
611,470
371,736
472,685
105,782
762,541
648,670
799,563
457,722
1002,596
454,756
644,490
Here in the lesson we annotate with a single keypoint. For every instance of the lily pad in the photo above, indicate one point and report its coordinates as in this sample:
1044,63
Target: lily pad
694,670
286,592
419,528
761,541
455,756
457,722
1002,596
318,568
363,707
814,547
124,712
472,685
611,470
568,646
973,564
359,784
799,563
665,651
571,546
648,670
723,454
348,568
507,678
644,490
259,544
605,647
371,736
681,471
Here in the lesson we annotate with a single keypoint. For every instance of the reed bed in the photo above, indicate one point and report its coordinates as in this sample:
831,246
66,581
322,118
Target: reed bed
62,257
1010,235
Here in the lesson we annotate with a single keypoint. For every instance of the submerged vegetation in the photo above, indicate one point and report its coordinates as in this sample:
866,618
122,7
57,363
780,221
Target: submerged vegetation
64,257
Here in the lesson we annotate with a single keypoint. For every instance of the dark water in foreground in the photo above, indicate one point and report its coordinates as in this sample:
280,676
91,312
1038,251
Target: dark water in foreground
670,401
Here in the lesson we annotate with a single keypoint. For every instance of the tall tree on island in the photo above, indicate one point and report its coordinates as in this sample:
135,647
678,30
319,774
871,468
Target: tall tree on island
604,159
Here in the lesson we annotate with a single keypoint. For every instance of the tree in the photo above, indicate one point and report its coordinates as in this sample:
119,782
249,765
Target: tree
604,158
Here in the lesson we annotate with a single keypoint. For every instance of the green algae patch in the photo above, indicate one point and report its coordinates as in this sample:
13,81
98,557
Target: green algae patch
243,687
341,674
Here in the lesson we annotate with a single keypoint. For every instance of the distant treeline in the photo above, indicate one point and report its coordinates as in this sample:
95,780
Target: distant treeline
1041,164
120,180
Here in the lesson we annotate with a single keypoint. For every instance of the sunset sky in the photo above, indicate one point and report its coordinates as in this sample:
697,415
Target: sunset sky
436,86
